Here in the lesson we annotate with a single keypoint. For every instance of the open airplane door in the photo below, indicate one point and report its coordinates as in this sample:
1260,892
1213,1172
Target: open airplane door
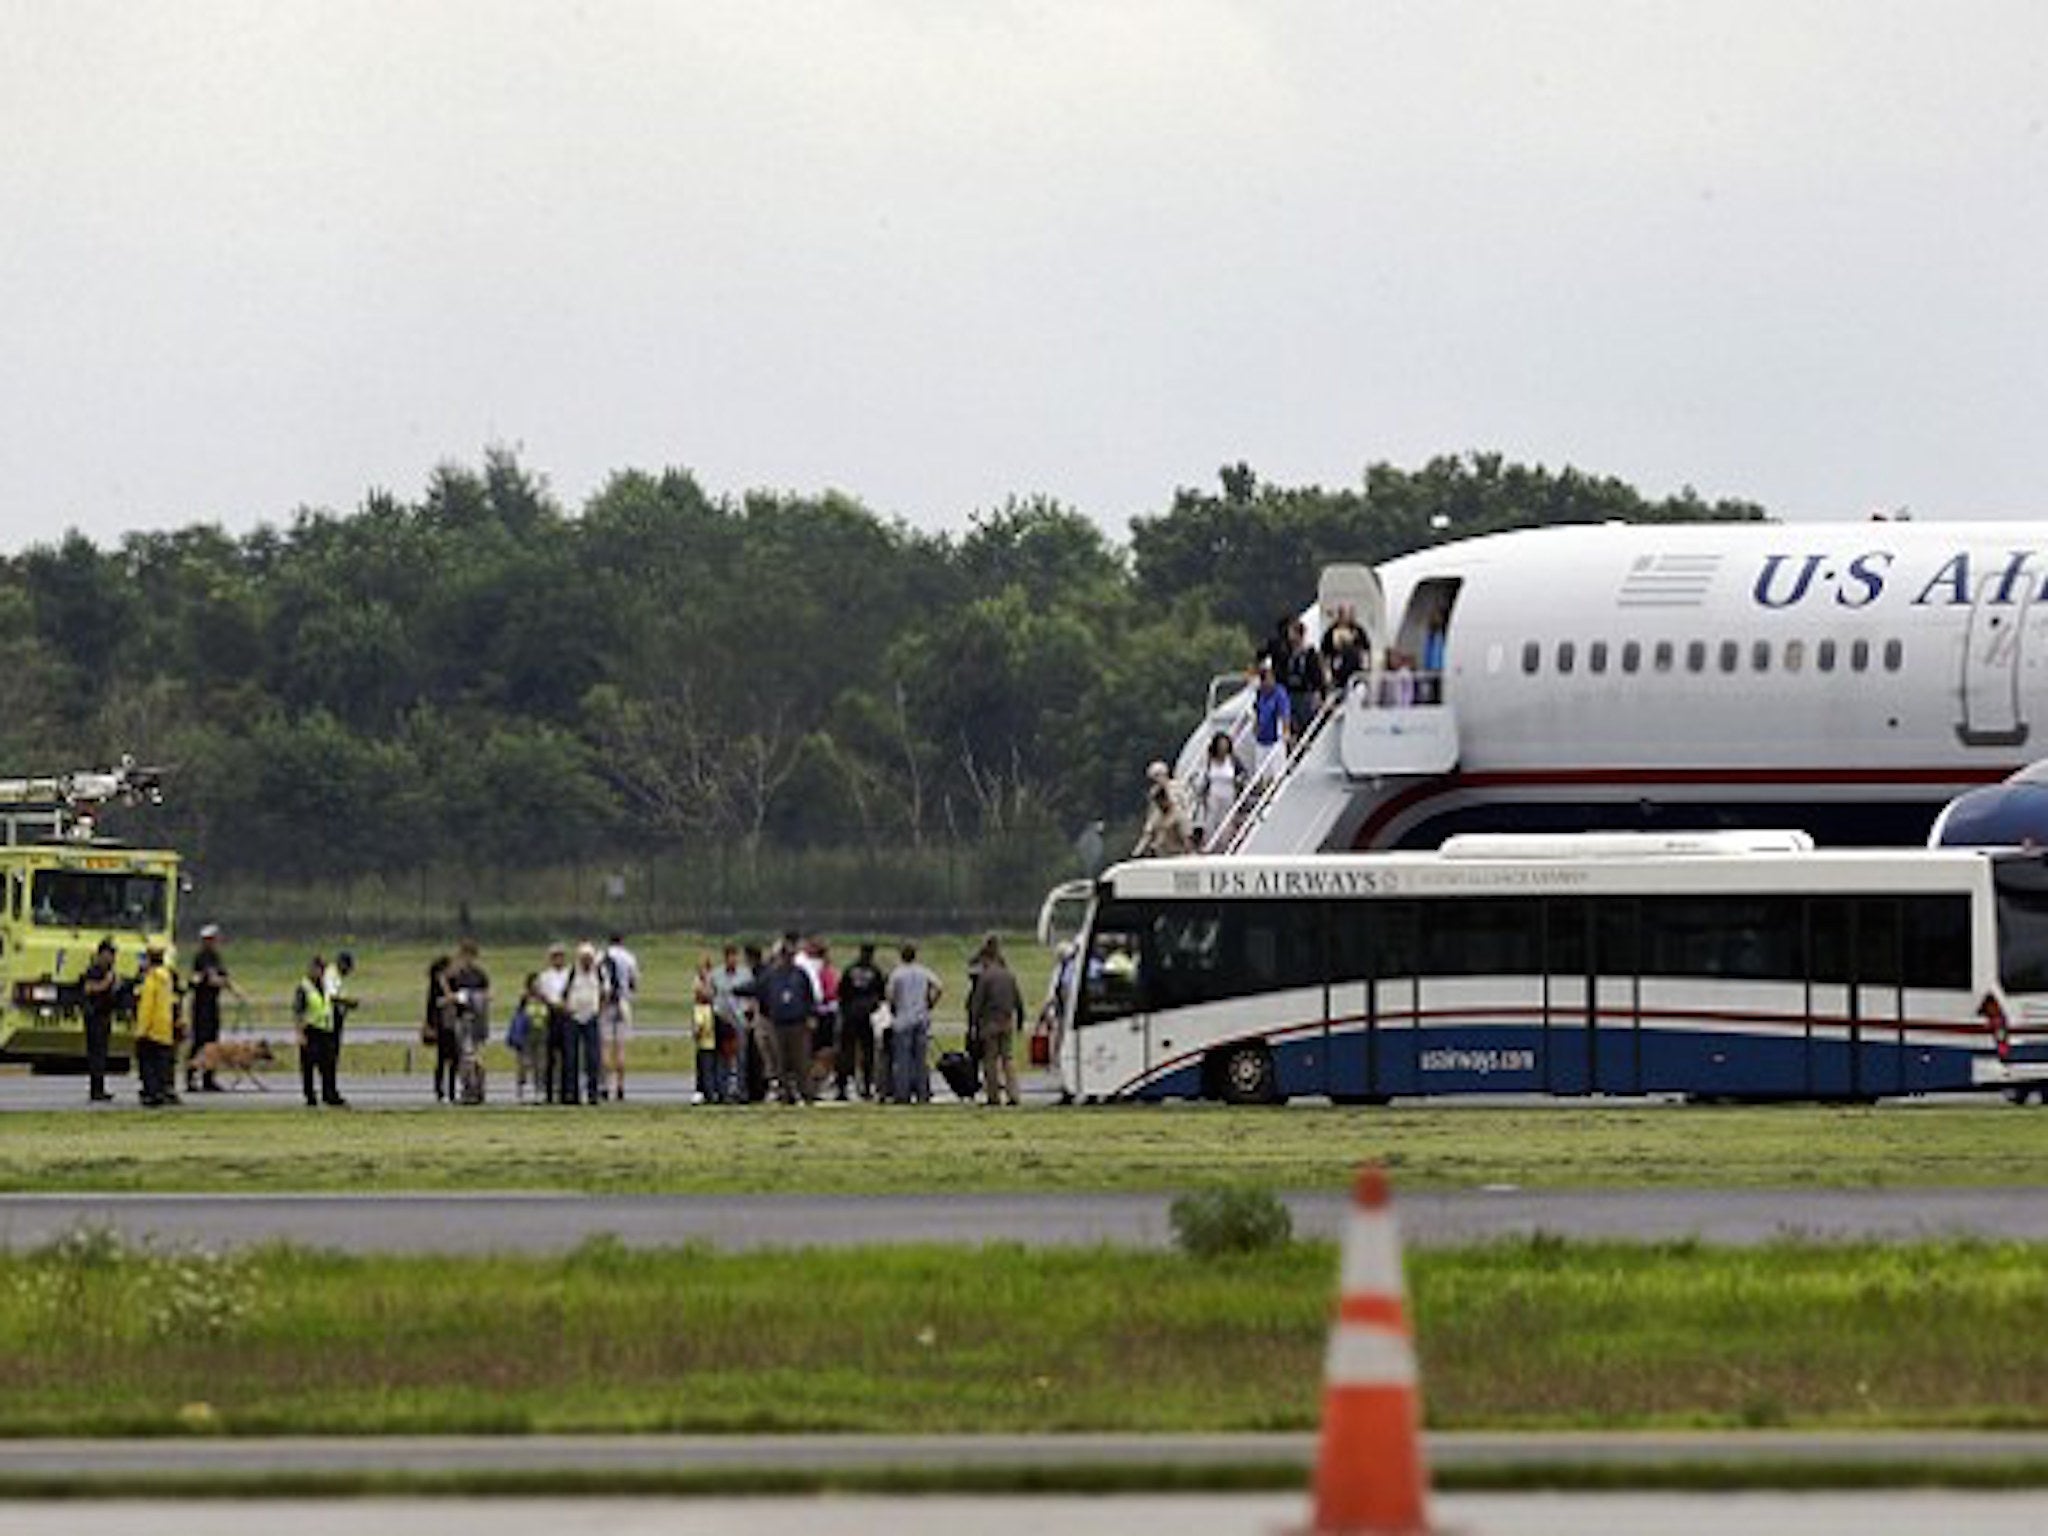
1358,588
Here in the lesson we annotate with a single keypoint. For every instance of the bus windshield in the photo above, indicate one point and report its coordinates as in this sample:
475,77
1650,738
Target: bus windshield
2023,926
79,898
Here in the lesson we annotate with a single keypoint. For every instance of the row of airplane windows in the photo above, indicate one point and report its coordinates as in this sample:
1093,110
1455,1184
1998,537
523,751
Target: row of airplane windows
1666,656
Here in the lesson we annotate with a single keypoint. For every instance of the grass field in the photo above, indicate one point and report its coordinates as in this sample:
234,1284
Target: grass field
392,978
876,1148
95,1339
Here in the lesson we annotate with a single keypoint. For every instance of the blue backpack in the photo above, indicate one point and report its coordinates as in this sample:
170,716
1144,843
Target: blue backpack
789,995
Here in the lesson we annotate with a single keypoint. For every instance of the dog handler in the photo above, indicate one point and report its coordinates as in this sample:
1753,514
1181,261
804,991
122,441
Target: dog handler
209,979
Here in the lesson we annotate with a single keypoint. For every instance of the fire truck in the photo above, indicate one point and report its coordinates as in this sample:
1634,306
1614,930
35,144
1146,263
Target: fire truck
63,888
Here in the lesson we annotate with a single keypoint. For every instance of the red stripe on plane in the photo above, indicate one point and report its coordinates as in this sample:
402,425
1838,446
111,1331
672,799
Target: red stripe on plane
1645,778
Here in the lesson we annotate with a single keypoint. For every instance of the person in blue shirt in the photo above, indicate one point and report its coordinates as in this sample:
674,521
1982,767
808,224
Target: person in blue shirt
1272,720
1432,679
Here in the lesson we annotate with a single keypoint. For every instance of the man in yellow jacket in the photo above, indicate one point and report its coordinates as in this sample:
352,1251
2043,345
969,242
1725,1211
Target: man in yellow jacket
156,1029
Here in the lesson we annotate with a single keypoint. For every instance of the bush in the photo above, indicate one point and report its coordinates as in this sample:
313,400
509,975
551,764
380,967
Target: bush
1230,1220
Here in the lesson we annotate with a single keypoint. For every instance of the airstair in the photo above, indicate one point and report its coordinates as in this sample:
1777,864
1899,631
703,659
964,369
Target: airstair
1374,740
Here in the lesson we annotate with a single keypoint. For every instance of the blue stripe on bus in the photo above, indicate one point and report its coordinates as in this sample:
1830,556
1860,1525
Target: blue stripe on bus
1665,1057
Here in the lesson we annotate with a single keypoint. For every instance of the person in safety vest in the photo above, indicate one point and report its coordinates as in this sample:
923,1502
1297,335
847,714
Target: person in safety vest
313,1012
156,1028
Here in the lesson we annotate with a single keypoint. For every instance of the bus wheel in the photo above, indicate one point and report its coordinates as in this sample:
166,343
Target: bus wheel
1244,1075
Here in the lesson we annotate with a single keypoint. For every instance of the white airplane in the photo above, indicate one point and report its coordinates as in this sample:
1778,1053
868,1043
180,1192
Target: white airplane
1847,678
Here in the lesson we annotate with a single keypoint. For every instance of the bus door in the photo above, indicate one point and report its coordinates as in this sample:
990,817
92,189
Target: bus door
1372,998
1877,1018
1567,1063
1855,1020
1111,1025
1280,956
1617,1048
1479,995
1724,994
1830,1000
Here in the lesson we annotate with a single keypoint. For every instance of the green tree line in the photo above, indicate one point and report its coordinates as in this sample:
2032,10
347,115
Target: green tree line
486,677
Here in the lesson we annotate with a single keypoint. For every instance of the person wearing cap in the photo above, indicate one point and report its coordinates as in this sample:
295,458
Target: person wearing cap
156,1028
1168,830
995,1005
209,979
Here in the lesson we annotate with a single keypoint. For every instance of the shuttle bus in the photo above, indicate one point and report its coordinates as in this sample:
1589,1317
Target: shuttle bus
1711,965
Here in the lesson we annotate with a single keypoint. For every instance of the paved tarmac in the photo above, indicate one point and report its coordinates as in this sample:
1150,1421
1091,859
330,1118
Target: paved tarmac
549,1223
789,1455
1910,1513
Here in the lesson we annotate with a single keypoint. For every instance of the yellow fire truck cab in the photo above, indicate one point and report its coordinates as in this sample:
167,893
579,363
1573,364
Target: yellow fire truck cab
62,890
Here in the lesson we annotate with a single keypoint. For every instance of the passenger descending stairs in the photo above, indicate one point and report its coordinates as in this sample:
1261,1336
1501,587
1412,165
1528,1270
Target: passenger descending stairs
1354,756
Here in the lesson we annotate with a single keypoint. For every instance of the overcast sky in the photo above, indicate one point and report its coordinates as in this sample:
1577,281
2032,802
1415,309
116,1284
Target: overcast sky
935,253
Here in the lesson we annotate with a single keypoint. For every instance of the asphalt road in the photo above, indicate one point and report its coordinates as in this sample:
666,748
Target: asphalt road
543,1223
1910,1513
770,1455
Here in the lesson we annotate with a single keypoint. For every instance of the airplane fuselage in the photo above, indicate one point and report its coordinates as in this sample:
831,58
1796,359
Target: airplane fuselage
1850,677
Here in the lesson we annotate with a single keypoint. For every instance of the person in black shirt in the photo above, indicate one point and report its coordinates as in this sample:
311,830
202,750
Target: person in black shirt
1303,677
99,985
860,993
470,986
437,1027
209,979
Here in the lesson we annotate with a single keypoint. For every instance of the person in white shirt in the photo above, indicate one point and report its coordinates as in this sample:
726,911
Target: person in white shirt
583,1002
553,985
340,1004
619,973
1397,688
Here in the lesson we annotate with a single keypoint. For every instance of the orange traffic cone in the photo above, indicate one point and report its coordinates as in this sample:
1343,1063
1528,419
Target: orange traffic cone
1370,1476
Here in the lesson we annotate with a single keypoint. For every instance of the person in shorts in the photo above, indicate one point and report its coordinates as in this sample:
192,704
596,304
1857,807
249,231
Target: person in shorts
619,976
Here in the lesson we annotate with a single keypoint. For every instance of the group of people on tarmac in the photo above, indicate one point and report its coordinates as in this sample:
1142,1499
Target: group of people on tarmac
321,1003
569,1029
787,1023
781,1022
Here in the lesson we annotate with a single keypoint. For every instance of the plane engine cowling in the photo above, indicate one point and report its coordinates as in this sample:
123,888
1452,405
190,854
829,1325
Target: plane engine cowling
2010,814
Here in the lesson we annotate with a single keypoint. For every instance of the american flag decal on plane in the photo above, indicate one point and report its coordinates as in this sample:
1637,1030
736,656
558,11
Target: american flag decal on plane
1669,581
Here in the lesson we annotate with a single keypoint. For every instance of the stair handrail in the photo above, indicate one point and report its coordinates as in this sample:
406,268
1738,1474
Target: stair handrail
1249,809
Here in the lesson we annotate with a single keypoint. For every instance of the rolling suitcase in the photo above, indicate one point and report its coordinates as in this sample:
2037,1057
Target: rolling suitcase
959,1073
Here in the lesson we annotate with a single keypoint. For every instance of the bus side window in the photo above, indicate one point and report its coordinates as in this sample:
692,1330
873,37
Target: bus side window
1280,950
1827,932
1936,939
1372,940
1486,936
1877,941
1187,955
1734,936
1564,937
1614,936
